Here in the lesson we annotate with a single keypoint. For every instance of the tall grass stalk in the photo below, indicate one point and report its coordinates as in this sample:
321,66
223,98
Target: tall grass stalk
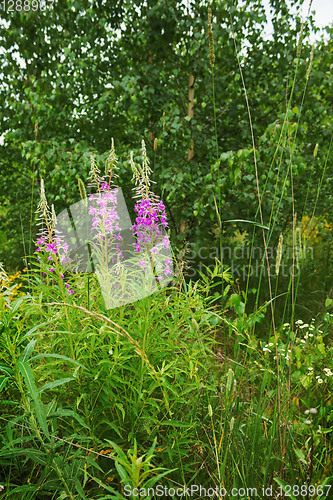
264,241
218,205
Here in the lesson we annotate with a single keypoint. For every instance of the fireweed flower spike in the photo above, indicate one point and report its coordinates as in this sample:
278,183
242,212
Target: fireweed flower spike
141,176
104,226
49,241
58,239
111,166
44,218
5,285
103,209
3,276
105,220
151,217
94,174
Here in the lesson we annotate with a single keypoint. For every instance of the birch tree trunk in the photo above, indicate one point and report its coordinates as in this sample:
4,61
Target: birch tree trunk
190,111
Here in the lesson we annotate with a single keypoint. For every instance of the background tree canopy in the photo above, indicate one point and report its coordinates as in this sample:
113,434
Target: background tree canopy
81,72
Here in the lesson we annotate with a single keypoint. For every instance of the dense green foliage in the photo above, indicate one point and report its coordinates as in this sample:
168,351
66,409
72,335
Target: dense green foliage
224,378
82,72
175,373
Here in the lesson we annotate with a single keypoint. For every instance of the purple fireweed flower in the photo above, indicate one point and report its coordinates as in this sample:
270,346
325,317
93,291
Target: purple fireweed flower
165,241
40,243
143,264
51,247
70,292
160,207
92,210
150,219
164,221
105,218
149,216
167,270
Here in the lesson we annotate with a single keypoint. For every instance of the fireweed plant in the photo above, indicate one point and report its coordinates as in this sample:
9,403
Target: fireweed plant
122,280
50,241
150,216
5,289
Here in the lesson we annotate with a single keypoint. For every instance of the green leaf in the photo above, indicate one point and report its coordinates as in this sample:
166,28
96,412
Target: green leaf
301,456
6,369
69,413
32,330
321,348
248,221
49,153
235,301
122,473
328,303
112,426
285,486
30,383
152,449
152,481
57,356
116,494
56,383
28,350
305,380
3,382
35,455
176,423
119,451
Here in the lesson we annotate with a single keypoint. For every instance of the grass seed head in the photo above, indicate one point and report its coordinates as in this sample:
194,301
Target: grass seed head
211,39
279,255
